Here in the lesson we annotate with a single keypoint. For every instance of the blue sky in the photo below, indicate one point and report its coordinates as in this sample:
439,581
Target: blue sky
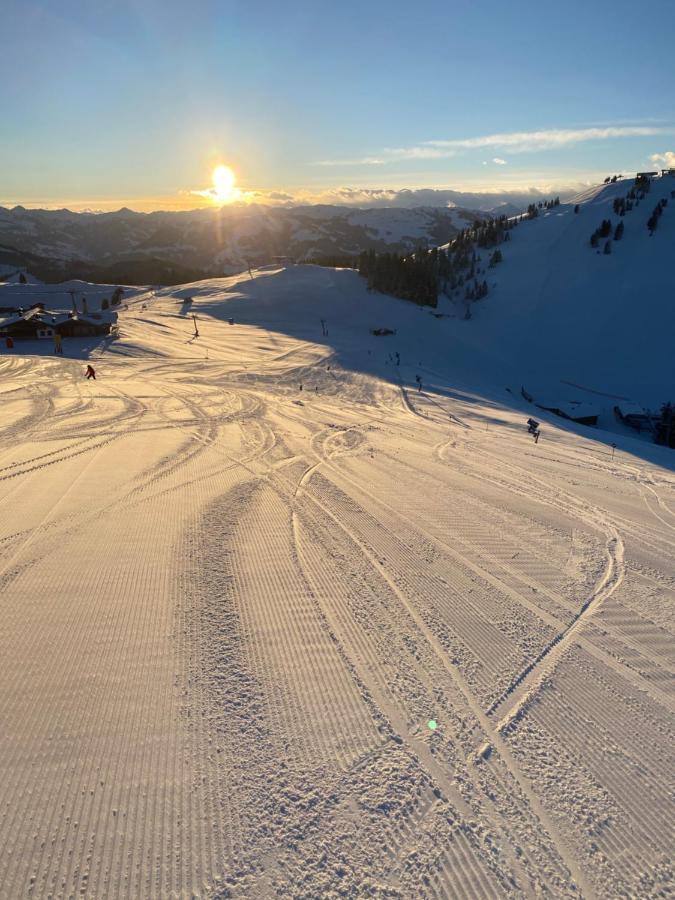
137,101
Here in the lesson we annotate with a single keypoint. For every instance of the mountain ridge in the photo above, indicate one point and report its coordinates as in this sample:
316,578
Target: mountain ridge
186,245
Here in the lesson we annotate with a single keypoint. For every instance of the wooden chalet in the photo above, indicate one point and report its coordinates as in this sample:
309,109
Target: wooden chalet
36,324
636,416
86,326
22,324
582,413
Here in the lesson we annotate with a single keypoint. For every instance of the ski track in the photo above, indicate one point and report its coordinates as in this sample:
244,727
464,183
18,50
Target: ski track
230,610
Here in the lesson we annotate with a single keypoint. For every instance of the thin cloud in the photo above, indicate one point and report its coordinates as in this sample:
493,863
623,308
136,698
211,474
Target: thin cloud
514,142
361,161
550,139
499,162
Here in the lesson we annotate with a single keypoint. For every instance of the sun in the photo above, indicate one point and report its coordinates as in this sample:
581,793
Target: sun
224,181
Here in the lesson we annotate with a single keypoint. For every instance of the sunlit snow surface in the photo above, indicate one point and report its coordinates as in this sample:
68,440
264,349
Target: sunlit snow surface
230,606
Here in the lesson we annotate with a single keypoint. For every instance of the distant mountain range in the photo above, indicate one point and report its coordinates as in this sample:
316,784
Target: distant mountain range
173,247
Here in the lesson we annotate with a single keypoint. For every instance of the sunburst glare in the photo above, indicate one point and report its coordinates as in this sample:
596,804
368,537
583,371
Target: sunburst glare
224,180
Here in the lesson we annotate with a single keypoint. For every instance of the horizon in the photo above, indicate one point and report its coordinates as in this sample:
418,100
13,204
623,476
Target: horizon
308,102
349,198
338,195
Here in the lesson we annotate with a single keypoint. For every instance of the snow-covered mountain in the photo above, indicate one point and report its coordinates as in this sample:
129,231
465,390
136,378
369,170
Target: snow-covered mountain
563,319
561,309
174,246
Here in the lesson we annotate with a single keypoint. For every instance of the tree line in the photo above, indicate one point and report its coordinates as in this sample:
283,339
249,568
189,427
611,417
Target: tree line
456,269
623,205
665,427
414,277
421,275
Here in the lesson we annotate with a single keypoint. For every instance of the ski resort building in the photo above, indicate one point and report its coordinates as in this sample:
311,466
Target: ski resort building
35,324
636,416
21,324
86,326
582,413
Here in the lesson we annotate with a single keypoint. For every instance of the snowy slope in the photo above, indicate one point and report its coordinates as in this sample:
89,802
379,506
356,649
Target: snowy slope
560,310
278,623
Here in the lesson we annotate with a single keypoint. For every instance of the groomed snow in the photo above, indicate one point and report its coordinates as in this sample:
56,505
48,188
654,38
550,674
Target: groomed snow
242,572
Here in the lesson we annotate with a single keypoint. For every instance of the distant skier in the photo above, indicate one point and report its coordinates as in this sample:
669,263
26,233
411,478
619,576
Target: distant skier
90,373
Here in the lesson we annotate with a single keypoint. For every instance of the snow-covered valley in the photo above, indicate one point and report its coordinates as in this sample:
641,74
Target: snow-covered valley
280,619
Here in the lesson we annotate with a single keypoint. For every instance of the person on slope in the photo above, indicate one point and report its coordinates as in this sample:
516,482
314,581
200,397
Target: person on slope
90,373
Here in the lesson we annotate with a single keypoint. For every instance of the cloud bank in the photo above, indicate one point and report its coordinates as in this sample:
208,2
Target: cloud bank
407,198
667,159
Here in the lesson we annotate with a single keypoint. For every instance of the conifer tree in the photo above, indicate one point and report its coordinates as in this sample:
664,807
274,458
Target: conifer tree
665,429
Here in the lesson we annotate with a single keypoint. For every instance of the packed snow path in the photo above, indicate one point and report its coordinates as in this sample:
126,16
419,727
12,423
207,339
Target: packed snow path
231,609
